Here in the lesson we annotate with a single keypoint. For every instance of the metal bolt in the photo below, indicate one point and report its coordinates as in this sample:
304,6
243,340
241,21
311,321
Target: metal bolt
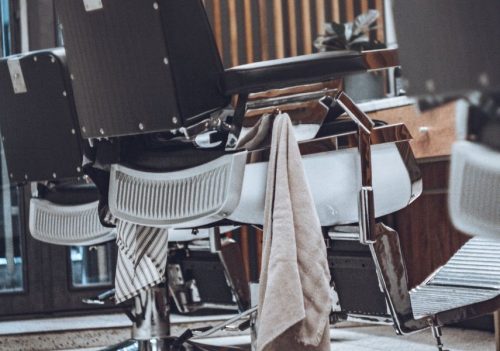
165,60
35,58
484,79
78,169
175,120
11,175
430,85
141,126
71,76
101,131
26,176
423,130
155,5
54,175
65,93
73,131
84,130
53,59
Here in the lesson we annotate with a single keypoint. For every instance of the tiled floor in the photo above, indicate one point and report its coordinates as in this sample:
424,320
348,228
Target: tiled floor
376,338
115,329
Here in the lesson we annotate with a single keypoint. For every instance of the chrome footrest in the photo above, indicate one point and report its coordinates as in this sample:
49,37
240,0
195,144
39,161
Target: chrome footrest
191,197
471,276
67,225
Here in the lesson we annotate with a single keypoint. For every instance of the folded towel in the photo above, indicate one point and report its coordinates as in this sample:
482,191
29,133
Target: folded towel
294,293
142,259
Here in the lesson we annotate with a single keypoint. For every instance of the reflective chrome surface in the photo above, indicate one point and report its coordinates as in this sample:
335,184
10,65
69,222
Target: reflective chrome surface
151,314
380,135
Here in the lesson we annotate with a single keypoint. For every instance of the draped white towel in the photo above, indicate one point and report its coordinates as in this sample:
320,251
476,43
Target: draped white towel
294,293
142,259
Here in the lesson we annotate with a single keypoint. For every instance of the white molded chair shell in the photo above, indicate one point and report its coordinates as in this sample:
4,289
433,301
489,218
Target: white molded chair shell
230,188
335,179
474,198
76,225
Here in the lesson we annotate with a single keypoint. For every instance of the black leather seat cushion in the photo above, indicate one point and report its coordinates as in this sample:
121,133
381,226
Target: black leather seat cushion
68,194
273,74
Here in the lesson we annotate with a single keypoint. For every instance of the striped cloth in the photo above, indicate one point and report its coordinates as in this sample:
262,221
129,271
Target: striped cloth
142,259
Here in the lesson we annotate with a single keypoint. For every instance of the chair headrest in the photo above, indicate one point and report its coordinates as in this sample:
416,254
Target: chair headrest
38,119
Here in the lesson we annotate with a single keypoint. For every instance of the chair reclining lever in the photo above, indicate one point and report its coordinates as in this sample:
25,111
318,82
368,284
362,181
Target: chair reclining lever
101,299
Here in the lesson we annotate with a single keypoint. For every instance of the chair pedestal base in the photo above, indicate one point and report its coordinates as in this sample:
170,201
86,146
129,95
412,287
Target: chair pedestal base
166,344
151,317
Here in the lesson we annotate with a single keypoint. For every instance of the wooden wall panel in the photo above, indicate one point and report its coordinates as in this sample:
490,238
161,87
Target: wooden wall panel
254,30
428,238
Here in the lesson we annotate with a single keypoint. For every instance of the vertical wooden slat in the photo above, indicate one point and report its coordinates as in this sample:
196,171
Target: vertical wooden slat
264,35
349,9
306,24
218,25
497,329
364,6
279,38
247,7
233,32
292,28
260,238
379,6
336,11
320,16
245,250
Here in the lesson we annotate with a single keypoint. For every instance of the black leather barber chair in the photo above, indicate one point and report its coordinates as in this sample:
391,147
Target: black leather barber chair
150,89
43,147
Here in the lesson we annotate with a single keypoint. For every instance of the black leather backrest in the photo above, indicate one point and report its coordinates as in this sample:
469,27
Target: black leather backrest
38,126
140,66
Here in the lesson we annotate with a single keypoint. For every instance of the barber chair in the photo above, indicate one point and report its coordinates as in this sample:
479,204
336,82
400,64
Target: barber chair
150,87
43,147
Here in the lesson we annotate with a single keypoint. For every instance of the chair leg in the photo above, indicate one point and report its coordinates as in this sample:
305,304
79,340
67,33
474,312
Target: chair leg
159,345
438,333
497,329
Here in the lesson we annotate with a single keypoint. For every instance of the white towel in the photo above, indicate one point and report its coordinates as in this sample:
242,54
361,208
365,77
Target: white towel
142,259
294,295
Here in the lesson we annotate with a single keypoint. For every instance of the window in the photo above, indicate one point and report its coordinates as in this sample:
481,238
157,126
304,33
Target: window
38,278
91,266
11,257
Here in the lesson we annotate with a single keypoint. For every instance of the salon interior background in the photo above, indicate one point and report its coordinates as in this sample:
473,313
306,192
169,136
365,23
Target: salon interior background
245,30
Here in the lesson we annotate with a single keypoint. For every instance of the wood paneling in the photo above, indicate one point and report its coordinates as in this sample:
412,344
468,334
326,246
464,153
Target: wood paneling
497,330
433,132
255,30
428,238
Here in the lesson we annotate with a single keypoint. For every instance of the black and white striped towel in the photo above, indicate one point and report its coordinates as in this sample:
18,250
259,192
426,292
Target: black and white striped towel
142,259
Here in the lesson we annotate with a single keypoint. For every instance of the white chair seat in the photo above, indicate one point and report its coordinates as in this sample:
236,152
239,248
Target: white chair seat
228,188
